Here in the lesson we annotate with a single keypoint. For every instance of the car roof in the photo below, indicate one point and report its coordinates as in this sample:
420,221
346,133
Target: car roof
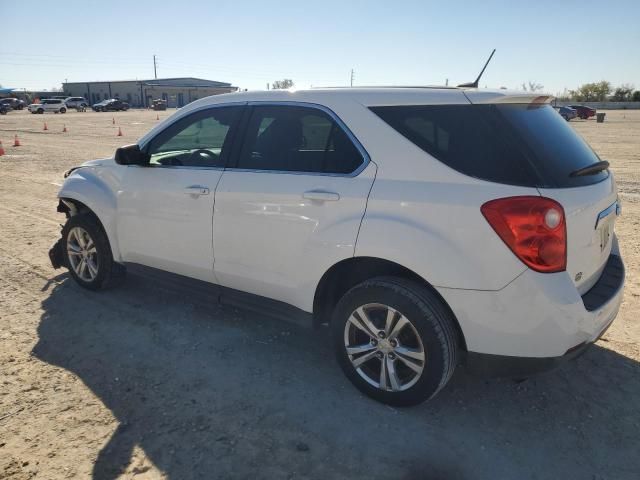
378,96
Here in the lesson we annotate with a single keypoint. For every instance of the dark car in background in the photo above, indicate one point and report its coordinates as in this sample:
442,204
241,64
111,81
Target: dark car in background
13,103
111,105
4,108
584,112
567,113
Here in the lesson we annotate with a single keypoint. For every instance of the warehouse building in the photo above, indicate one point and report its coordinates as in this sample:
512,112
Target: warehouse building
140,93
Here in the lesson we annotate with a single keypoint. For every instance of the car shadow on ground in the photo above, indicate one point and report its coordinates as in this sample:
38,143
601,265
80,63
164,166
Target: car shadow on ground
212,392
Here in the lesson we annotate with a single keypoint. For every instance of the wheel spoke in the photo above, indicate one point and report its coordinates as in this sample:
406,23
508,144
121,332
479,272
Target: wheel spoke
400,324
356,323
73,247
393,375
391,315
410,352
413,365
93,270
80,268
366,347
92,250
73,252
89,245
364,318
383,374
364,358
79,239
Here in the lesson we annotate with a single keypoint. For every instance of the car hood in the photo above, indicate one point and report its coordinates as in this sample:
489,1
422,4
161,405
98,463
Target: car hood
101,162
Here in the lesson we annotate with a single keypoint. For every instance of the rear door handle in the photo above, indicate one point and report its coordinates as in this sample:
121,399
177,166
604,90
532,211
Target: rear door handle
196,190
321,196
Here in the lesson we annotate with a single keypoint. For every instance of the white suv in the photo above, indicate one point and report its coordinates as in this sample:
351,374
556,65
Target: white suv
55,105
429,227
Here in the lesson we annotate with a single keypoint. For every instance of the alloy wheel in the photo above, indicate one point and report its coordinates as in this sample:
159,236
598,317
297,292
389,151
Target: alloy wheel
82,254
384,347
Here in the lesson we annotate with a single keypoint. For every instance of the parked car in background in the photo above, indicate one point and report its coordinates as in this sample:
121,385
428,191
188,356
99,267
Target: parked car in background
567,113
76,102
404,218
159,104
111,105
55,105
584,112
4,108
14,103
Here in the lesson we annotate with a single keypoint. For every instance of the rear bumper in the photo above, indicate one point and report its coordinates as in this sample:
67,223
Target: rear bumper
536,319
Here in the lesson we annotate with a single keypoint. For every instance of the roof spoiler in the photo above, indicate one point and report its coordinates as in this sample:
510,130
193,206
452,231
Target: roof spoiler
477,81
507,96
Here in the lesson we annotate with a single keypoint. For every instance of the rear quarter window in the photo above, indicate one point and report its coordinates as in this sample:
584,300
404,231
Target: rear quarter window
517,144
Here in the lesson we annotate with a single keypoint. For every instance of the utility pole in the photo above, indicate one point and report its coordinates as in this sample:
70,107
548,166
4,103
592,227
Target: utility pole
155,70
352,77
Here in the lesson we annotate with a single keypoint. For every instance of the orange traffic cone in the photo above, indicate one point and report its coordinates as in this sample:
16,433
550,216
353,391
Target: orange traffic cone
64,128
16,141
119,132
45,126
113,120
1,149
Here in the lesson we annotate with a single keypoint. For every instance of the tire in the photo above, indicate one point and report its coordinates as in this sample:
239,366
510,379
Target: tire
426,327
63,110
40,111
100,270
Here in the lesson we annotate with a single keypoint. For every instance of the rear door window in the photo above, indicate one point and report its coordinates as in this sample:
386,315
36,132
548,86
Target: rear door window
297,139
518,144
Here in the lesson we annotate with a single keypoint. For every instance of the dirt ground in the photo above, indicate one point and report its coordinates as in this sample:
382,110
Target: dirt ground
144,382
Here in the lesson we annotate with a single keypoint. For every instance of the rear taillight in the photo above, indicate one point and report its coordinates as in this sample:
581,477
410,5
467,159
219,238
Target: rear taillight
534,228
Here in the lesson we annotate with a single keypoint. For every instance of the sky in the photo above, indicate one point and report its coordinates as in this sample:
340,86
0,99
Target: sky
560,44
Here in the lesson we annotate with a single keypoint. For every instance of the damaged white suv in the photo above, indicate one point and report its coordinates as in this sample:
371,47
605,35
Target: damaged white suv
429,227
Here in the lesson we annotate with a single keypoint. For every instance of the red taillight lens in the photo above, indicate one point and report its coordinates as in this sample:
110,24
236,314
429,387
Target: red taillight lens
534,228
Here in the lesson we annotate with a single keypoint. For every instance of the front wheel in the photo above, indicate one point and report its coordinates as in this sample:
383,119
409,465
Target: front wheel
395,340
40,111
63,110
88,253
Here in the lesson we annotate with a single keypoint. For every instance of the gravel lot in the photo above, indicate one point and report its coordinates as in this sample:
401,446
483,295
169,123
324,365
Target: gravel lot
144,382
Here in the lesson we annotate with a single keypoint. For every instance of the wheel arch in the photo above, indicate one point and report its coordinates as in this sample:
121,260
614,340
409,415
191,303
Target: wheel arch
81,194
349,272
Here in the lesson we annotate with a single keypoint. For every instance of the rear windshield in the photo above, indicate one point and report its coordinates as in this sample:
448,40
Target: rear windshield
517,144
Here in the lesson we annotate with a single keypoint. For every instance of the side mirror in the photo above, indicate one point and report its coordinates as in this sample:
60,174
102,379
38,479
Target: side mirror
131,155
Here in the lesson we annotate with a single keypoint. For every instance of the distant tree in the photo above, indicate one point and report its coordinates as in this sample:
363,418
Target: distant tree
623,93
602,89
282,84
592,92
532,86
636,96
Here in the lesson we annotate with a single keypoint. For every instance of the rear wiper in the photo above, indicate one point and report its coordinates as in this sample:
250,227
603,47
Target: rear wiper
590,169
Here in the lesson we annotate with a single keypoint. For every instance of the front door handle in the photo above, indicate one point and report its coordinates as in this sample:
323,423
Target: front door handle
321,196
196,190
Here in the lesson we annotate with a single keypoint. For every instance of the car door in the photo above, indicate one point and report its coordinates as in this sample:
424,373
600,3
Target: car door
165,209
290,204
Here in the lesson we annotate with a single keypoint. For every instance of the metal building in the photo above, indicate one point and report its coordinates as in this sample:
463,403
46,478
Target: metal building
140,93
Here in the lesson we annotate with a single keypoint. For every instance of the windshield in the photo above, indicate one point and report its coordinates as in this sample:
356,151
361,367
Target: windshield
518,144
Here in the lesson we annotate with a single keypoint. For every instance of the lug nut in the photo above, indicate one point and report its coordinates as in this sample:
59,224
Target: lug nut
380,355
394,343
392,356
374,342
381,334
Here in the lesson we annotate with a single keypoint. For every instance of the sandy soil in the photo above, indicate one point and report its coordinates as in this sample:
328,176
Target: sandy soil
143,382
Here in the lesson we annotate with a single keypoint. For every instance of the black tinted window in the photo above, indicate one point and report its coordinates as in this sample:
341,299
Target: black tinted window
518,144
298,139
198,140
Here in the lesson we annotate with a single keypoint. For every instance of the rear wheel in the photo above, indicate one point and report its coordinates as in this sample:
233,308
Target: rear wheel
394,340
40,111
63,110
88,253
